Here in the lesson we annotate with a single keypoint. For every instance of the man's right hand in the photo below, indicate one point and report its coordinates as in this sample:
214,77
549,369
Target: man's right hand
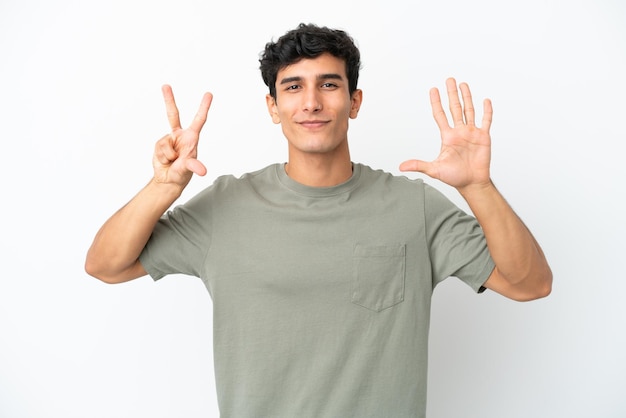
114,254
175,155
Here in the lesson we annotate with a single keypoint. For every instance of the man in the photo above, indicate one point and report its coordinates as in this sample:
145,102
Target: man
321,270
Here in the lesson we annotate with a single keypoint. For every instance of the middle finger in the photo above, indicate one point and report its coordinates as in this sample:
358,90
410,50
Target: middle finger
456,110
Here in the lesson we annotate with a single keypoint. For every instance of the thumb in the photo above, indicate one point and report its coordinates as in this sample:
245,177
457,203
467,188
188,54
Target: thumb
417,165
196,166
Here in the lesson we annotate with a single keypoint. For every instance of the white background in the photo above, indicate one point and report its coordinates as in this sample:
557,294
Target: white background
81,108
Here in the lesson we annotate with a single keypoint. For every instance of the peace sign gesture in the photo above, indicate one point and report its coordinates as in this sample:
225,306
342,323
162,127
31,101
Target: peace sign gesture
465,148
174,159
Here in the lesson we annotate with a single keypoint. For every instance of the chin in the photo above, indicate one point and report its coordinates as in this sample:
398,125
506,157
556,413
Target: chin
319,147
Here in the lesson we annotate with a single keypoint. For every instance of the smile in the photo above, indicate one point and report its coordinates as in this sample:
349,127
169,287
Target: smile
313,124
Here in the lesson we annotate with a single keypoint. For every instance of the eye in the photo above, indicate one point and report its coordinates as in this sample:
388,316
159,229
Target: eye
292,87
329,86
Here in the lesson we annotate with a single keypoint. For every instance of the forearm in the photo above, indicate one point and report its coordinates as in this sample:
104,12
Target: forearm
114,253
518,257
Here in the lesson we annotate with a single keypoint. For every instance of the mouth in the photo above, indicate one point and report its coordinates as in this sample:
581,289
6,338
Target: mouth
313,124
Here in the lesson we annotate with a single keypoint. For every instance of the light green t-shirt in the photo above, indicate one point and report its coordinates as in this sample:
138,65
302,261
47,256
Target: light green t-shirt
321,296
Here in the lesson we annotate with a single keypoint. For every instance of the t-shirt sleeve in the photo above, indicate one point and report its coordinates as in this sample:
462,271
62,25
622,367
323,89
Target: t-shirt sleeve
456,242
180,240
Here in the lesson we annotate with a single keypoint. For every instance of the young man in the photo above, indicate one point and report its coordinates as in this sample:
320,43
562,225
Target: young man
321,270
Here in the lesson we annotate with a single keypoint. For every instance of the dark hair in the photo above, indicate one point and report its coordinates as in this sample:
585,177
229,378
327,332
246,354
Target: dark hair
309,41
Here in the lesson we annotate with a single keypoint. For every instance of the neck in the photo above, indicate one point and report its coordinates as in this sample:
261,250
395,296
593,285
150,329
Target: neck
318,170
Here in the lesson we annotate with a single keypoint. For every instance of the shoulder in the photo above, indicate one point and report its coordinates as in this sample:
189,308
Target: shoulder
229,188
387,180
379,183
228,182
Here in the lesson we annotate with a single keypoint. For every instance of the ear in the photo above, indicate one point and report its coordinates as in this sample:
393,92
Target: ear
272,108
356,100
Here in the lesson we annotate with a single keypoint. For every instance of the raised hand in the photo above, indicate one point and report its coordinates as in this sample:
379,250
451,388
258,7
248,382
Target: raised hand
175,155
465,153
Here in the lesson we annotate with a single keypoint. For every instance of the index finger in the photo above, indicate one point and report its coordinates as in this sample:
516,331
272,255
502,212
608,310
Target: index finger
170,107
198,121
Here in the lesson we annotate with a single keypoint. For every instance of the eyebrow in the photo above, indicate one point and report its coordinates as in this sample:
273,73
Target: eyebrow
329,76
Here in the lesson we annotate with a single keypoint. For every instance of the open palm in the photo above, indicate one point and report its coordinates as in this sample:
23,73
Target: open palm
465,154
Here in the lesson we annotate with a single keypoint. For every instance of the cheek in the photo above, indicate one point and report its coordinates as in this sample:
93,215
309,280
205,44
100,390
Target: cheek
285,112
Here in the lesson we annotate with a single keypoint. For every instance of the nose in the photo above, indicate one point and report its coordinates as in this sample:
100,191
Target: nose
312,101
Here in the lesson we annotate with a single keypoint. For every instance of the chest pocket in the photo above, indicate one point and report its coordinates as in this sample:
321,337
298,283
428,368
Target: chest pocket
378,276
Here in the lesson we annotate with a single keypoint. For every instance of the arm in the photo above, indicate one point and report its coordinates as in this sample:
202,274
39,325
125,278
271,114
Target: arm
522,272
114,254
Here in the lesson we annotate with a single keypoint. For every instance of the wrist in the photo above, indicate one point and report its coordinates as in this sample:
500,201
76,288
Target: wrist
166,191
477,190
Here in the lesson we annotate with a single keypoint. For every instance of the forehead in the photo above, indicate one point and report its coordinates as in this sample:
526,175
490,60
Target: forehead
314,67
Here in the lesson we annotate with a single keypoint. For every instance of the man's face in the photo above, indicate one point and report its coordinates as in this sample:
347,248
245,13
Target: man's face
313,105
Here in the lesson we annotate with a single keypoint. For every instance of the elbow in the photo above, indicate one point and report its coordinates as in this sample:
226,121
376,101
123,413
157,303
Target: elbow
545,283
90,268
541,289
93,270
536,285
546,287
96,270
112,267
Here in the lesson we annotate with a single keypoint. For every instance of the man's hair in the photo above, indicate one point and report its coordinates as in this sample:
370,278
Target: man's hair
309,41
